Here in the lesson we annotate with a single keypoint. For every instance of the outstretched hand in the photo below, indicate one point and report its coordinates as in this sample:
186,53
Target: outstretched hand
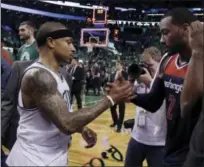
120,91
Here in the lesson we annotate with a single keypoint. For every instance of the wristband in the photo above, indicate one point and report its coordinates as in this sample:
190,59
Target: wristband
111,100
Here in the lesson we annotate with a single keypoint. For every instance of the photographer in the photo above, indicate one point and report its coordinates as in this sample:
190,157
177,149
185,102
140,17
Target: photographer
149,132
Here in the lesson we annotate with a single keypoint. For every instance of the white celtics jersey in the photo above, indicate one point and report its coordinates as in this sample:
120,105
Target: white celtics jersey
39,141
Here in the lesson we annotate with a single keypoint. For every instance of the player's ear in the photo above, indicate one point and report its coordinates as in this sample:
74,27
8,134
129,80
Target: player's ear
50,42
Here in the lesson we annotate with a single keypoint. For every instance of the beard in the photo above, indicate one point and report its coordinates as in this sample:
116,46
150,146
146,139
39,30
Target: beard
25,37
63,62
177,48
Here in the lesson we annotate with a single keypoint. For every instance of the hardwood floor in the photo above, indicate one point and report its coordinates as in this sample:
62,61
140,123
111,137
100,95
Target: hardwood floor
78,155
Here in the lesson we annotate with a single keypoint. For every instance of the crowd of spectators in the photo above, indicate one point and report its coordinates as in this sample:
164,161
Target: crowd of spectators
129,46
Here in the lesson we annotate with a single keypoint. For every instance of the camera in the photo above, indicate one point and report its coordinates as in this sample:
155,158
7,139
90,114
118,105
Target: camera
135,70
142,66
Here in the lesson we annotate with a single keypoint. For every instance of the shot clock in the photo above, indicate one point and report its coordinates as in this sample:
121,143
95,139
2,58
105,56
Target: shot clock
99,16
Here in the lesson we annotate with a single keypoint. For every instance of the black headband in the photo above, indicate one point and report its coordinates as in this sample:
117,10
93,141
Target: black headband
55,35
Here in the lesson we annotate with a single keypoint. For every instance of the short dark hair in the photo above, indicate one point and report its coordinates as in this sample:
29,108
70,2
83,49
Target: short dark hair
29,23
181,16
48,27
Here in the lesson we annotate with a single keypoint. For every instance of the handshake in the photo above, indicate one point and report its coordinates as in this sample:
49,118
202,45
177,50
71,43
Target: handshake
120,91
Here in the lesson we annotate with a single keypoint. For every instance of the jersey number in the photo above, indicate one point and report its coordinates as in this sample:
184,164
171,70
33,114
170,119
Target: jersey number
172,101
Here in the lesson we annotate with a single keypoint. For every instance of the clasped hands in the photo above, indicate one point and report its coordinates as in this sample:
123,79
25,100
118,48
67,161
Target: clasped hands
121,90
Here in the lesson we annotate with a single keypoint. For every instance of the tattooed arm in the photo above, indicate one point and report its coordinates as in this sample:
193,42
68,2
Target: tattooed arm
40,88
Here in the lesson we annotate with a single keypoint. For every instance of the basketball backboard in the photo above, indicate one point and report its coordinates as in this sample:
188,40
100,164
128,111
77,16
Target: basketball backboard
94,37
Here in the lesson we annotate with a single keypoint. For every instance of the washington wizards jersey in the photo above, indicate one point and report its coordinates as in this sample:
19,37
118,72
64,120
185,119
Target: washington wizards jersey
179,129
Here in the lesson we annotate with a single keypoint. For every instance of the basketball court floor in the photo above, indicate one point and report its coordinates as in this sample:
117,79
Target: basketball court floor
78,155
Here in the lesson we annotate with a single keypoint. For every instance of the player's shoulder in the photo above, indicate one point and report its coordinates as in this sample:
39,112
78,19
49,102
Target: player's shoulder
164,61
34,46
165,58
38,81
22,47
25,63
38,76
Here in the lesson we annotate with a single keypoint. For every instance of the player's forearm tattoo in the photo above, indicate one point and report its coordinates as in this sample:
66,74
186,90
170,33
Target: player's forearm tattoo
85,115
71,122
52,105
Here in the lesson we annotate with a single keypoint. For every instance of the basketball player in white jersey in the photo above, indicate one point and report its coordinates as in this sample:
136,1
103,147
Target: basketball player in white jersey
46,121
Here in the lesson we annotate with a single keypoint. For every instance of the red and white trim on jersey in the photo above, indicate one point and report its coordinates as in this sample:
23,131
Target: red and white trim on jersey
177,63
172,67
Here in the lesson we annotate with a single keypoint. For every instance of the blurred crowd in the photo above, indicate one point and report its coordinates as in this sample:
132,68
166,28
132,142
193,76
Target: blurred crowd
99,63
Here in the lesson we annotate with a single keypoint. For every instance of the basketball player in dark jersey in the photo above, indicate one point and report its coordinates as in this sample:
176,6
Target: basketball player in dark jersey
168,85
193,90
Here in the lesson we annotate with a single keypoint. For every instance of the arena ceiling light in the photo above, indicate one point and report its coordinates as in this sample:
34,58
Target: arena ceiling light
157,14
51,14
162,14
78,5
67,3
43,13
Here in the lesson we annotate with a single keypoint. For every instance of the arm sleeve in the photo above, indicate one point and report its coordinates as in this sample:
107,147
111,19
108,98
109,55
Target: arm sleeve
153,100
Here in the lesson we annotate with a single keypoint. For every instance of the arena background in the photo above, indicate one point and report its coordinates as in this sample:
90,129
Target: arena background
133,26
